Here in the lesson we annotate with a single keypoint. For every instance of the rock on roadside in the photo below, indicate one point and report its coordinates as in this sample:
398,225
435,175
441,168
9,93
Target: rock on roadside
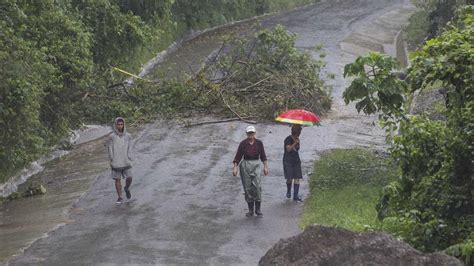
321,245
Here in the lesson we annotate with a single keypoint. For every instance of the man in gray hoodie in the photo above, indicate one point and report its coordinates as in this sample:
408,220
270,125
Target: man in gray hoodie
119,146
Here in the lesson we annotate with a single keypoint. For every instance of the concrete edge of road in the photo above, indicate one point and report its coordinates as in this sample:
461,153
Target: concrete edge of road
396,47
161,55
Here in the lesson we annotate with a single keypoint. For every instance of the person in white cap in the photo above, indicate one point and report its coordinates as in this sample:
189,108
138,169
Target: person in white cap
252,151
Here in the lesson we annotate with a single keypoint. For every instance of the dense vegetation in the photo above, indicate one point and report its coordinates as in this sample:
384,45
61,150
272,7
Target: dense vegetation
56,62
430,20
431,205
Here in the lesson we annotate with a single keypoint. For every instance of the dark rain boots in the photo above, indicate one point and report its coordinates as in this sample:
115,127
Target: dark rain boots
288,190
296,189
250,213
257,208
128,182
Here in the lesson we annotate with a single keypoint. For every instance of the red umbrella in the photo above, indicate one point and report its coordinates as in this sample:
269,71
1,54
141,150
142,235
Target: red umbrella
299,117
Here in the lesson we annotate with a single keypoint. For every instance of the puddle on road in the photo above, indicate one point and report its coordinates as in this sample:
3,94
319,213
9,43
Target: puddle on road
66,179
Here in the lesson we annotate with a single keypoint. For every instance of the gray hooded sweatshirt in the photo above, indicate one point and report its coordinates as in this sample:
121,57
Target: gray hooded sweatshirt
119,146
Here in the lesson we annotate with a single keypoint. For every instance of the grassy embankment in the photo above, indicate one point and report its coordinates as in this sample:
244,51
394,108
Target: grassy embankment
345,188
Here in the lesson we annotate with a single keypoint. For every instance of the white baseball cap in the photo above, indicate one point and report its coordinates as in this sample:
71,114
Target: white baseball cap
250,129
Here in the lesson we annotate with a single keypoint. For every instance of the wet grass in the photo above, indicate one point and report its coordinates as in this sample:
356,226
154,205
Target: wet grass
345,188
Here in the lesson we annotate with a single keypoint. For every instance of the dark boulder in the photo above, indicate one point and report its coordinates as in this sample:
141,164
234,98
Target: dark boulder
321,245
430,102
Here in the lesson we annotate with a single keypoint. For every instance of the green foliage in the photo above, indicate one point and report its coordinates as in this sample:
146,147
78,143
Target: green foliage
431,205
416,30
431,200
448,59
21,71
202,14
116,36
67,50
156,11
345,186
418,148
29,71
375,85
441,12
465,250
279,5
430,20
208,13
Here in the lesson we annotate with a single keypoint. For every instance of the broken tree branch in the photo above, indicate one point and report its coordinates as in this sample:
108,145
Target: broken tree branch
232,110
215,122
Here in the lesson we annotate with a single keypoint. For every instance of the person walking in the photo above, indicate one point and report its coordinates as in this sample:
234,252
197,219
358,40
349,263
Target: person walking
252,151
119,148
292,163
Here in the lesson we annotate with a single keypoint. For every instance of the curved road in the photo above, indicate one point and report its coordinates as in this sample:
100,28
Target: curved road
187,208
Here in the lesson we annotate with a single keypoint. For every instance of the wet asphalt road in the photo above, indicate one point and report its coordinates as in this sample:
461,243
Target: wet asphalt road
186,206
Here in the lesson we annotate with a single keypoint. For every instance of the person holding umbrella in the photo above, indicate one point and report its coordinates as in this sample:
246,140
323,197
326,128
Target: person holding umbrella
291,158
252,151
292,163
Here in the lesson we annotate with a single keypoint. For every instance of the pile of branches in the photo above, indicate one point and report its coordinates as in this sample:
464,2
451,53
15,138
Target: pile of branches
259,77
